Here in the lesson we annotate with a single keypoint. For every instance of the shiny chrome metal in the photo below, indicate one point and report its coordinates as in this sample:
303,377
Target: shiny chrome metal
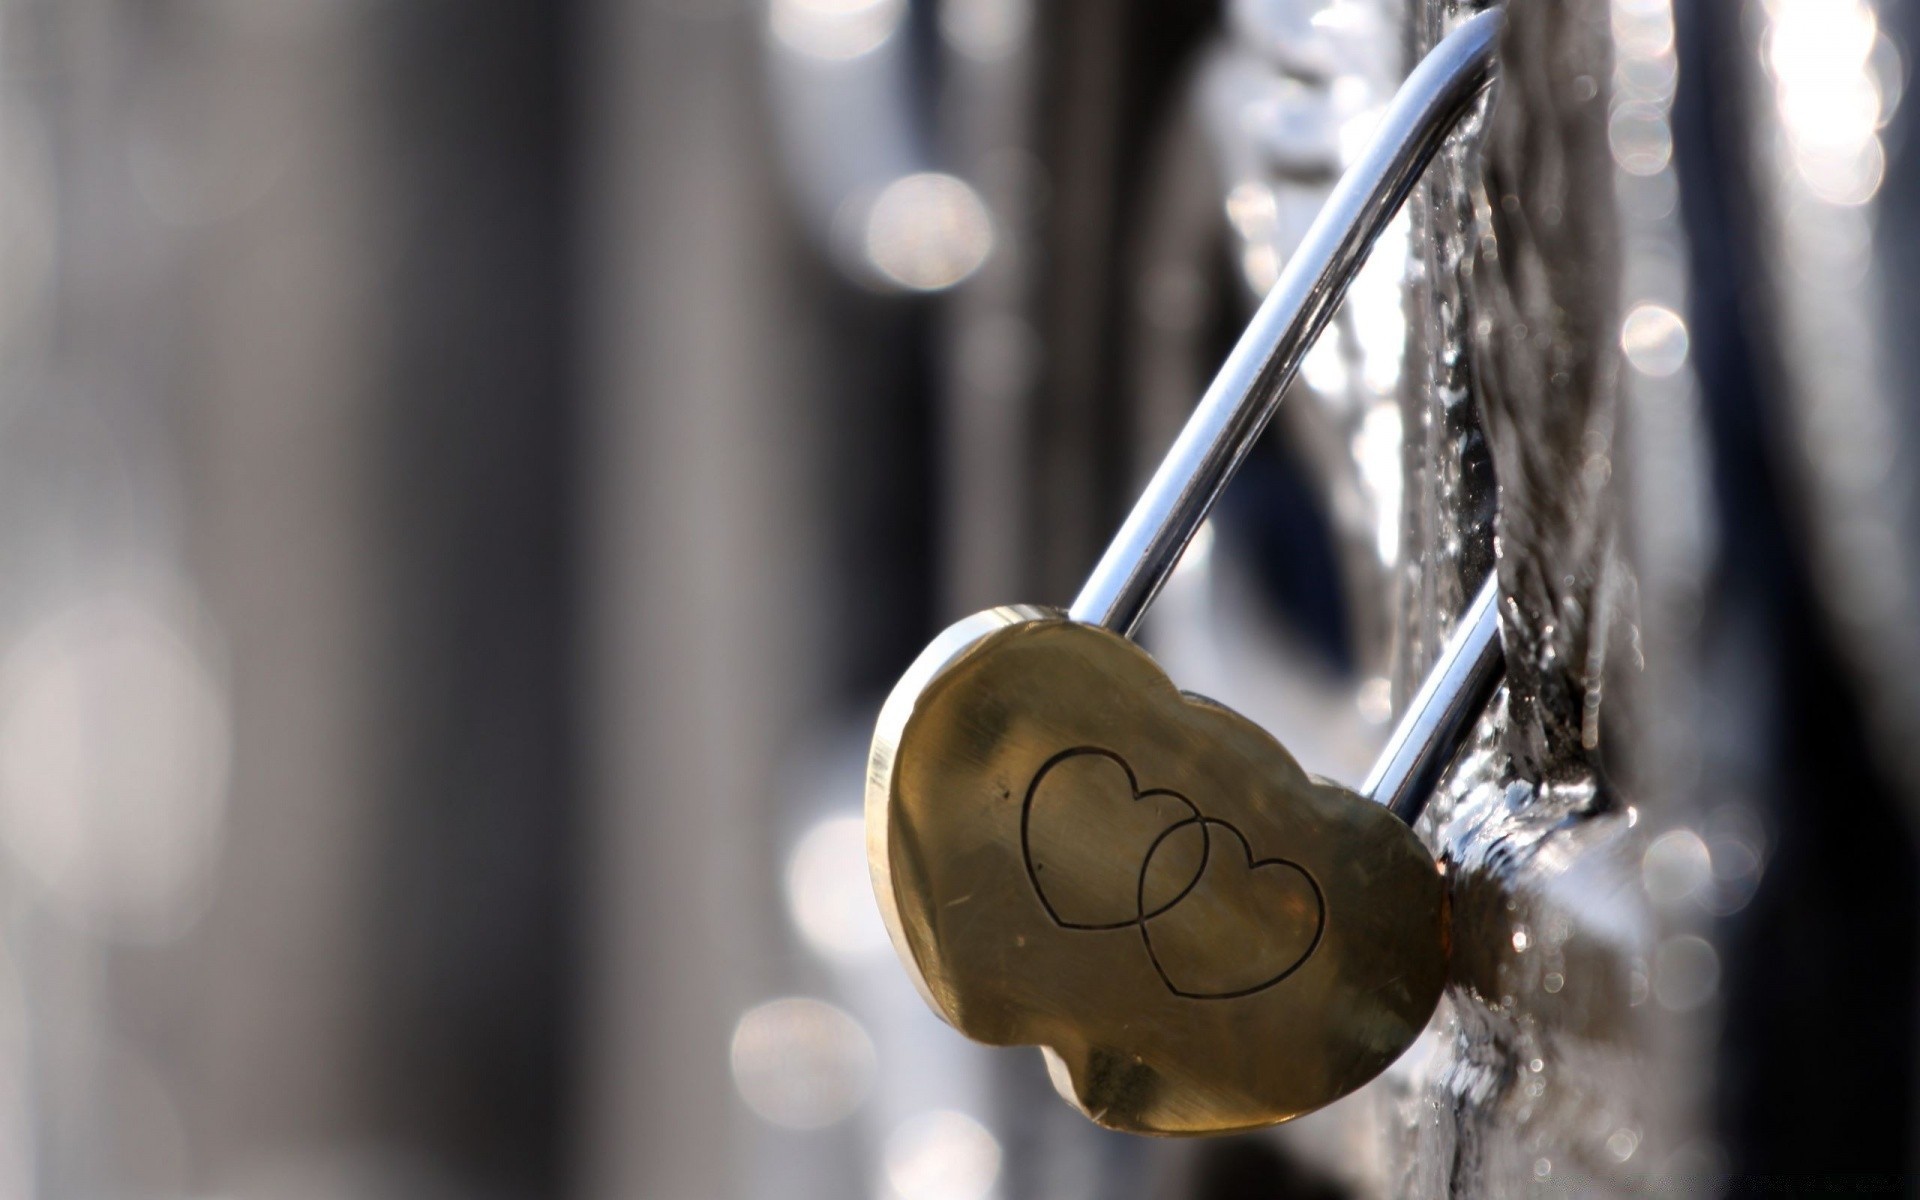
1248,388
1470,667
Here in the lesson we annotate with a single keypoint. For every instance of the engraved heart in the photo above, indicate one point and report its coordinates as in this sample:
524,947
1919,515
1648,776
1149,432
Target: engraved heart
1072,854
1087,828
1243,925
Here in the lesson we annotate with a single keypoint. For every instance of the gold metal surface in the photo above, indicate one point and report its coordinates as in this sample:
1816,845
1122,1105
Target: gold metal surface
1071,853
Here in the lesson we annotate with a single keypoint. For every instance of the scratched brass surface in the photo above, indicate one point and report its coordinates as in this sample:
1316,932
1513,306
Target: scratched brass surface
1070,853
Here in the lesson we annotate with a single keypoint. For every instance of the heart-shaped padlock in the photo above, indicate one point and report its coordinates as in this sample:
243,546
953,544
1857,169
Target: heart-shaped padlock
1072,853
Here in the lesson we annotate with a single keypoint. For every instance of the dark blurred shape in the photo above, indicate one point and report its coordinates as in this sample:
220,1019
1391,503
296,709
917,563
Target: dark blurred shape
473,474
1244,1169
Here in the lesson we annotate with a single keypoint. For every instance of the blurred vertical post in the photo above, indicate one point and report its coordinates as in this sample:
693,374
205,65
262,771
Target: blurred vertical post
700,533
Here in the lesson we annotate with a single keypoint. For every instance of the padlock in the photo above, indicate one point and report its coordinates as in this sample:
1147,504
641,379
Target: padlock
1071,853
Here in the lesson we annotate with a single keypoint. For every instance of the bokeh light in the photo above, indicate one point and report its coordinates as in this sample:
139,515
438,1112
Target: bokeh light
986,30
1675,867
835,30
1686,973
113,766
801,1063
829,895
1654,339
927,232
1821,54
943,1155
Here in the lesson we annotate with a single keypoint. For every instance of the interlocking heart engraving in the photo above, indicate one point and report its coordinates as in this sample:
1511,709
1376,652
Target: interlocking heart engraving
1190,868
1071,853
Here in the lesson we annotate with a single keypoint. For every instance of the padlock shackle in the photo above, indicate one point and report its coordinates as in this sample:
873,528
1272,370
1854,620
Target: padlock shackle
1246,391
1428,737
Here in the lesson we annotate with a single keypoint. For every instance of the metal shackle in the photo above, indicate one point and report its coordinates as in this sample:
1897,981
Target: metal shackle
1247,390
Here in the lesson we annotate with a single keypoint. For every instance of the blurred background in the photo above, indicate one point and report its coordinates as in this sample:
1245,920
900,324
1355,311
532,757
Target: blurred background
469,473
